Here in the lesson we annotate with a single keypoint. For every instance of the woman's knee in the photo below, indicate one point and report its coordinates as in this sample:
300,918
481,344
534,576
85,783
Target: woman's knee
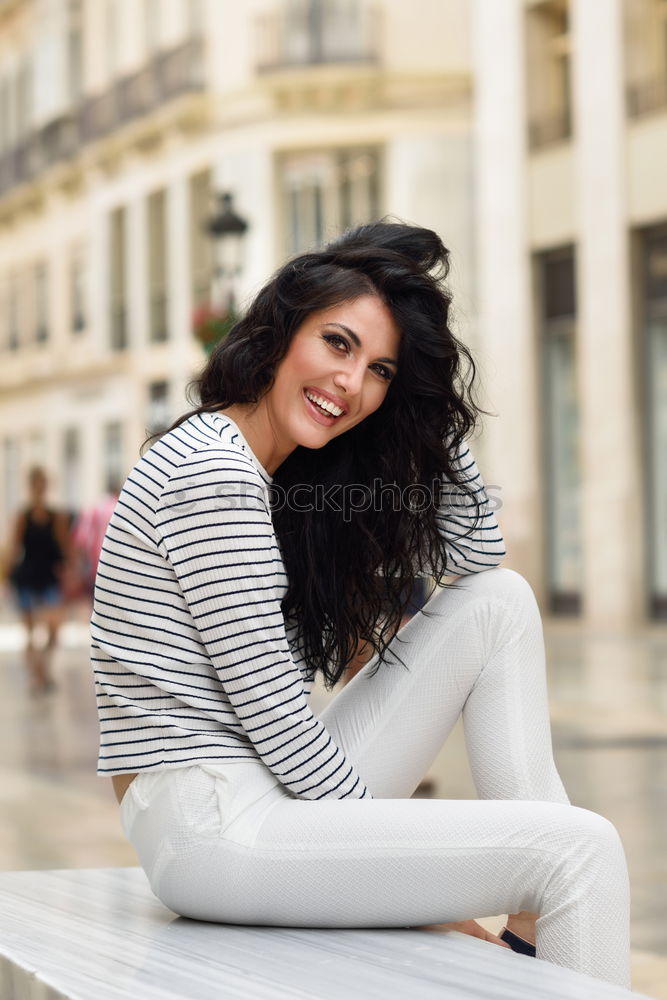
586,856
598,838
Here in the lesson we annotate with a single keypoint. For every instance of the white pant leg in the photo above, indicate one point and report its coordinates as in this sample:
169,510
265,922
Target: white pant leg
477,649
386,863
395,862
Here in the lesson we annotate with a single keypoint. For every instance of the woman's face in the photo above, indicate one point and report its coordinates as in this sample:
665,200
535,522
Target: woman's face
336,372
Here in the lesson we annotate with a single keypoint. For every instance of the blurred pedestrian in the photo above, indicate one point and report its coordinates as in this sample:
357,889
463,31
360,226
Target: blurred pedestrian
39,547
87,537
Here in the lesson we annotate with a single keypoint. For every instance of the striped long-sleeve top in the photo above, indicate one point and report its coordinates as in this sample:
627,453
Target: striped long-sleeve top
191,657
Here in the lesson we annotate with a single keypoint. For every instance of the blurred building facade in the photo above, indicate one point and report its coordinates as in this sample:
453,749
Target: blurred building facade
121,120
571,231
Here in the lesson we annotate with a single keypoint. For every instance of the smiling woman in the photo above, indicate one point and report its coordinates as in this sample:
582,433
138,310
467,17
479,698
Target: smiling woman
327,382
265,538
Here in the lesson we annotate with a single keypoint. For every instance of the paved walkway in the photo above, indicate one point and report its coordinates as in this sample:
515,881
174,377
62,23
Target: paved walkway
609,709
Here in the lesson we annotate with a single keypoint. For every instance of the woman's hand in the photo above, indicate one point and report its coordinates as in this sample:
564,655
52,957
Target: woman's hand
470,927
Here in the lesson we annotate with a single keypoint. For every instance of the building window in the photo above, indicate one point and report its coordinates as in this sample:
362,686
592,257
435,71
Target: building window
4,314
37,453
41,304
645,42
194,18
75,29
561,432
326,192
117,281
111,44
548,72
152,25
201,244
5,115
11,481
114,466
77,291
13,309
158,408
72,468
654,259
23,96
311,32
157,267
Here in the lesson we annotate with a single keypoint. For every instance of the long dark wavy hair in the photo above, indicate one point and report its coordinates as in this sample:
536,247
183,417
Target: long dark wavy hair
350,570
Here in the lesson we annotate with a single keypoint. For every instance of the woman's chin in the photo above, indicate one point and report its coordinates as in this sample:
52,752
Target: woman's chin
314,441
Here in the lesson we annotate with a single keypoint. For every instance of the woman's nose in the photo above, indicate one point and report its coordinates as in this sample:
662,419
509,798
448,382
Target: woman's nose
350,380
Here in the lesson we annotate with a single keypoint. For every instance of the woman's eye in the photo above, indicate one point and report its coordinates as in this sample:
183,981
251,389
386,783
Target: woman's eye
340,344
336,341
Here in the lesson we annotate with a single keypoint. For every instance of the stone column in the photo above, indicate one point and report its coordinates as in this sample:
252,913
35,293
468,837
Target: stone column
509,451
428,180
613,586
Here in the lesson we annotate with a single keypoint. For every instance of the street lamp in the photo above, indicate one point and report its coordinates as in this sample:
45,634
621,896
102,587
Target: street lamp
213,320
227,228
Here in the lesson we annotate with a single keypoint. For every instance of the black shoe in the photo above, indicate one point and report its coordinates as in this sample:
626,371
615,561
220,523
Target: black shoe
517,943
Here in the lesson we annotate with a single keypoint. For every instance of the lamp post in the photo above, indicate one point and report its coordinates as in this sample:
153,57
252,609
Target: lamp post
213,320
227,229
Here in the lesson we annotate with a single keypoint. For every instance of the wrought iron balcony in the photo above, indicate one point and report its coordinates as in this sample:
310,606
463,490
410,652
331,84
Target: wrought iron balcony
100,115
135,95
168,75
315,32
646,96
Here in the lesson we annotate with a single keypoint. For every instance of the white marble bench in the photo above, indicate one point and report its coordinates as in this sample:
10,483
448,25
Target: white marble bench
102,935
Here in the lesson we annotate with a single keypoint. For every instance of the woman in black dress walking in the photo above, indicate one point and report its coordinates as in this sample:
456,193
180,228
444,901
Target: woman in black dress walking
38,550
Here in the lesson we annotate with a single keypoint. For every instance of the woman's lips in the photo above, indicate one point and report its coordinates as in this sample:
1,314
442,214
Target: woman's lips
317,414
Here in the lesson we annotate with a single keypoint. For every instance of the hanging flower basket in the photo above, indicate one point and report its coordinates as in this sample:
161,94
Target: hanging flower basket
210,325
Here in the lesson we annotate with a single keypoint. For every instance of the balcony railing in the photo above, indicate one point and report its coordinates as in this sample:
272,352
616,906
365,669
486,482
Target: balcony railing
548,131
313,33
135,95
100,115
646,96
168,75
180,70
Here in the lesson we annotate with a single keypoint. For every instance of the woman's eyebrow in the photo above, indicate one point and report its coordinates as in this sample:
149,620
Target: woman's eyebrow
355,340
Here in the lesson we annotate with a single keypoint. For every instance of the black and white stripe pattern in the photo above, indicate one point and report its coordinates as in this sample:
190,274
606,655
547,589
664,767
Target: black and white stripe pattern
469,551
191,659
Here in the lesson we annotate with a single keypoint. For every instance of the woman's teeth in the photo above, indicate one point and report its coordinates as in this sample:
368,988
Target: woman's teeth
326,405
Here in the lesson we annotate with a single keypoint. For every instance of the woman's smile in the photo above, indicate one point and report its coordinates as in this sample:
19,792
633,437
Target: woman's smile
323,407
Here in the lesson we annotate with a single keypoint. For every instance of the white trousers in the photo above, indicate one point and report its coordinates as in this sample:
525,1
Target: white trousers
229,843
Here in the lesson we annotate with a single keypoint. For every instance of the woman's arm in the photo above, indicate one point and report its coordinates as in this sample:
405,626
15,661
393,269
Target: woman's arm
15,544
216,531
468,522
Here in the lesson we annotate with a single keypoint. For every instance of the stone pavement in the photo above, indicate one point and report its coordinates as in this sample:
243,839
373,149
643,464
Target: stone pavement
609,711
